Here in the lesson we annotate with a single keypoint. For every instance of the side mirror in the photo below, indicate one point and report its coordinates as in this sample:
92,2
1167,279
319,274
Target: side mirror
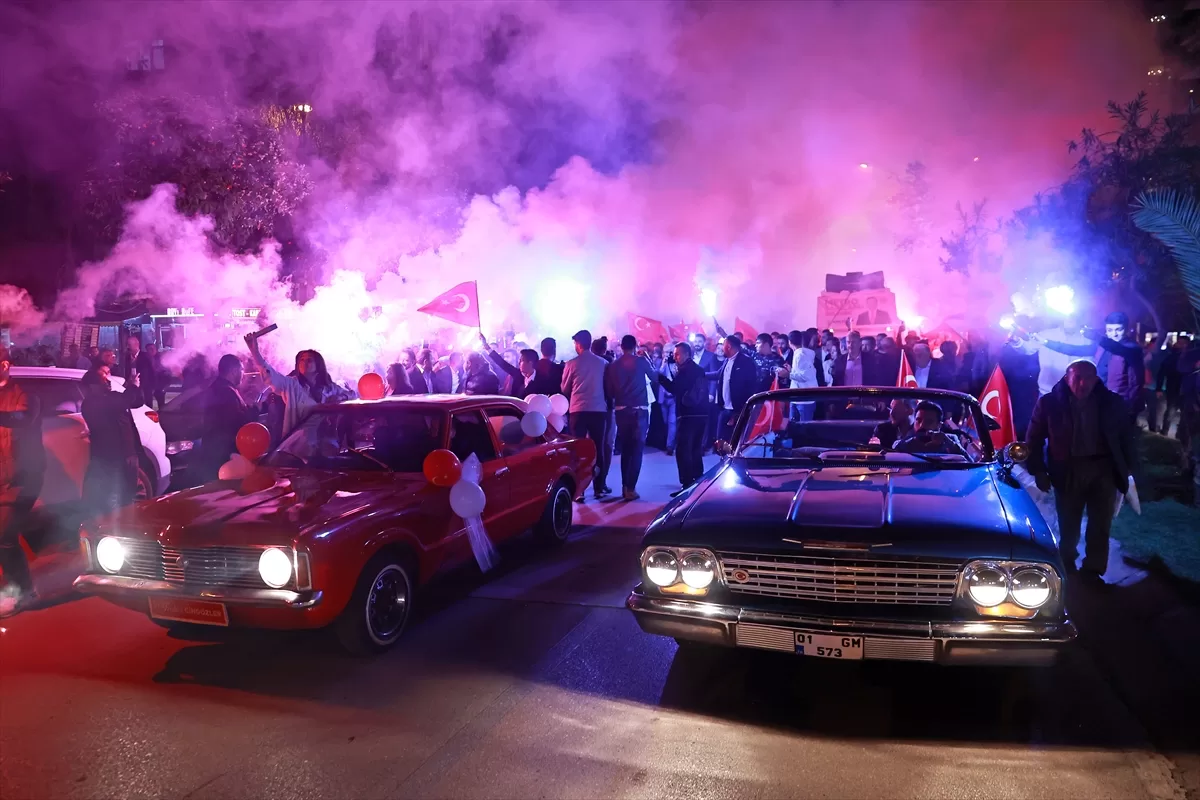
1016,452
723,448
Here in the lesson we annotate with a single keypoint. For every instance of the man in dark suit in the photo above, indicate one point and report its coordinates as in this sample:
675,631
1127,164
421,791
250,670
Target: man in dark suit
522,375
547,373
141,362
448,375
225,412
1081,444
707,361
736,381
422,375
873,316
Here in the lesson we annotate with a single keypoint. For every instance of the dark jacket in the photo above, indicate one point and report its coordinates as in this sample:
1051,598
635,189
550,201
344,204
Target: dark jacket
519,387
481,383
688,402
111,429
144,364
547,378
417,379
224,415
1051,432
708,363
743,382
443,380
1120,365
625,381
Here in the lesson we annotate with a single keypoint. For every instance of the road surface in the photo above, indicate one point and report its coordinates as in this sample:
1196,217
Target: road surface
536,682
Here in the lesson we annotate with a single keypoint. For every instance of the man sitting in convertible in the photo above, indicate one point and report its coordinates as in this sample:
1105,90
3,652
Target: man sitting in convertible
928,435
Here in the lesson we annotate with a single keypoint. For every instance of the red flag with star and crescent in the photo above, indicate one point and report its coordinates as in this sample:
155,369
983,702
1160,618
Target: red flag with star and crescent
460,305
997,404
906,378
683,331
646,329
771,417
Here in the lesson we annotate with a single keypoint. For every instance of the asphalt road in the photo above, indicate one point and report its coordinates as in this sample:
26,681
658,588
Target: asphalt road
536,682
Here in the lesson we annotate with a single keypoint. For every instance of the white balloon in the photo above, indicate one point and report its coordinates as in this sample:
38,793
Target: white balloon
472,470
533,424
236,468
467,499
540,403
560,405
556,422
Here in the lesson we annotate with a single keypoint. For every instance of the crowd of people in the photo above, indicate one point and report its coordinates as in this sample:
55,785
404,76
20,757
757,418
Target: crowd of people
681,397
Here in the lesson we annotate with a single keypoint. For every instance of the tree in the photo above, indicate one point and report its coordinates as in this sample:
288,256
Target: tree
1088,215
912,200
967,246
1174,219
231,164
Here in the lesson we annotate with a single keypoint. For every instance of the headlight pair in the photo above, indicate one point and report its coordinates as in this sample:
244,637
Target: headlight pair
275,565
989,583
667,568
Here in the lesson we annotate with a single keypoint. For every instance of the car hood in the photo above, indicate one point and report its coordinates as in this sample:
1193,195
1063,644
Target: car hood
912,511
273,507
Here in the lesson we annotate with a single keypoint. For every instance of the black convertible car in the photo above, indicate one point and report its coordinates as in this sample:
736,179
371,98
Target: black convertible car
859,523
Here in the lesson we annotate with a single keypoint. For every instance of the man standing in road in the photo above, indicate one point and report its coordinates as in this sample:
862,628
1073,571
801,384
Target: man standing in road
1081,444
689,386
625,381
21,465
736,382
583,385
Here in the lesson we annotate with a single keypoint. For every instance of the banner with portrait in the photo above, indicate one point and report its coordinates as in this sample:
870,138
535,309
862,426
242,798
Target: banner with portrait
870,312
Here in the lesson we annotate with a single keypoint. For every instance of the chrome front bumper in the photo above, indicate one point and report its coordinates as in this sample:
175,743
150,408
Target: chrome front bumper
992,642
116,585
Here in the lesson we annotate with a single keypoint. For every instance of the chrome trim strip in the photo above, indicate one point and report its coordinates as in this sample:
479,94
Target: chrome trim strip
265,598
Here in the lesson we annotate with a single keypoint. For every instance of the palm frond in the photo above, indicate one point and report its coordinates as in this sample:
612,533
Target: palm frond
1174,219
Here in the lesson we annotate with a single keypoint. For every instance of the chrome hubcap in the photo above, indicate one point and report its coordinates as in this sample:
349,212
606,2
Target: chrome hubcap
562,513
387,604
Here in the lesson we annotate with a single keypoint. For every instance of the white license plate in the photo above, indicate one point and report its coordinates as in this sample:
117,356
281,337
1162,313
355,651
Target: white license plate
199,612
823,645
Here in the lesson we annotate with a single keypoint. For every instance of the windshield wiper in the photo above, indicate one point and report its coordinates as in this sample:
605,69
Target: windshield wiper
370,458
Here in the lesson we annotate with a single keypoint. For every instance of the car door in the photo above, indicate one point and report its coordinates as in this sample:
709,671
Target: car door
534,463
64,436
470,434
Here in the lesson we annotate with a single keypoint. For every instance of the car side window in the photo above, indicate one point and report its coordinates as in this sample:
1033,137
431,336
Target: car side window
469,434
506,422
56,396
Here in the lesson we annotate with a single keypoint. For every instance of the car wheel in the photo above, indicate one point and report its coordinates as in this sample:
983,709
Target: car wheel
378,611
144,488
555,525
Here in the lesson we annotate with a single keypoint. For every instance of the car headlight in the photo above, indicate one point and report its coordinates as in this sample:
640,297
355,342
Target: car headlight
175,448
275,567
987,586
697,570
1030,587
662,568
110,554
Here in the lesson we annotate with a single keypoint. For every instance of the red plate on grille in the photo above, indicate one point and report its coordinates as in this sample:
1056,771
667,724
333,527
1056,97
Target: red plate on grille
178,609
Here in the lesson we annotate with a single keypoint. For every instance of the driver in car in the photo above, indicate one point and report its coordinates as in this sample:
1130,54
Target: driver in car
928,436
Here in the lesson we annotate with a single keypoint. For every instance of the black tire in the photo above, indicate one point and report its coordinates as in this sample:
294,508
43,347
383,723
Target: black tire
555,525
144,488
379,609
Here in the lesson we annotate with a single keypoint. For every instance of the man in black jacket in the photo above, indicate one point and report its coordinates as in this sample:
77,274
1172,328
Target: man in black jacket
547,373
628,380
736,382
225,412
690,388
522,375
1087,435
141,362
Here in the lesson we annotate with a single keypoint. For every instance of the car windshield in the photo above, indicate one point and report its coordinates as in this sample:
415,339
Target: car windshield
864,424
362,437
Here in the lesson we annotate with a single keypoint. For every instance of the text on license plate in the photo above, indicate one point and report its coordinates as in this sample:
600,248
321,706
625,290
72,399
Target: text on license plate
829,646
178,609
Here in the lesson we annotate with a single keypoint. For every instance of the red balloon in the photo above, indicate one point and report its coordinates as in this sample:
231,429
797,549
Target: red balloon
442,468
371,387
253,440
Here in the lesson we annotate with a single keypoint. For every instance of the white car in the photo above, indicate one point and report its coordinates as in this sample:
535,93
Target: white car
68,444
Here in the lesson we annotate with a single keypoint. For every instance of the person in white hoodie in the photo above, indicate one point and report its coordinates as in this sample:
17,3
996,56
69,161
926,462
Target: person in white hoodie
1052,365
803,374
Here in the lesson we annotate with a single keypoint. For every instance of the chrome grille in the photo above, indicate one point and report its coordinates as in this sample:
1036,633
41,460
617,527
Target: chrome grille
838,579
200,566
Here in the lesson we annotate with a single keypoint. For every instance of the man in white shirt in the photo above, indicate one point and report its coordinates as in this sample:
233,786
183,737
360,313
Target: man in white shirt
922,360
583,385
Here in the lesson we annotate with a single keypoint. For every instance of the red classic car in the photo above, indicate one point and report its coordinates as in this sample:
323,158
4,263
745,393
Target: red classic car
337,526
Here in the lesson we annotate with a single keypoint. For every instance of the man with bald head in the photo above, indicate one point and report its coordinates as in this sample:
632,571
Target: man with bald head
1081,444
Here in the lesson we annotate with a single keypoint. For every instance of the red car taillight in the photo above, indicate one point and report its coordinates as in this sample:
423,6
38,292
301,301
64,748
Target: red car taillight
152,416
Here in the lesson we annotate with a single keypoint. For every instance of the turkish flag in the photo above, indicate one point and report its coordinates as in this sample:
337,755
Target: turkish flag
460,305
683,331
745,329
997,404
646,329
906,377
771,417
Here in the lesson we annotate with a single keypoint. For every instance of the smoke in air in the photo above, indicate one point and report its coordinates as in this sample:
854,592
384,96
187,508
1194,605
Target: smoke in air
657,158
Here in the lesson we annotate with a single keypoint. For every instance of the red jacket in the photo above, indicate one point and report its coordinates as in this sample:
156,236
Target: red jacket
14,415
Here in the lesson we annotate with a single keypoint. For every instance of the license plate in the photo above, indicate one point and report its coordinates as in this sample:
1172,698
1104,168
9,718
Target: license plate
824,645
199,612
